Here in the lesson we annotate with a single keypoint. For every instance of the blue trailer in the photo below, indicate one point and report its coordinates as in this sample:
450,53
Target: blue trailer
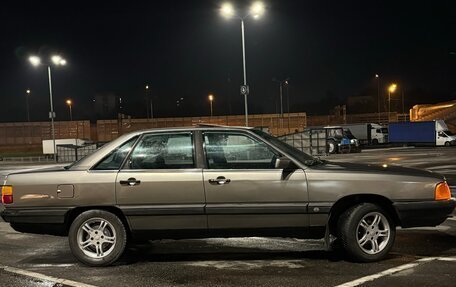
421,133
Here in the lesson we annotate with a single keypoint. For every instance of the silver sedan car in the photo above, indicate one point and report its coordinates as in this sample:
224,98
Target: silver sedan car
204,181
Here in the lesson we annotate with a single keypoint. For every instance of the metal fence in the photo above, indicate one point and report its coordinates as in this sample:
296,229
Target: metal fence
312,141
71,153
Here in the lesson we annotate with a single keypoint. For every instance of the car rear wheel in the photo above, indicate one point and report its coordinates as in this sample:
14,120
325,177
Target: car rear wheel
367,232
97,238
447,144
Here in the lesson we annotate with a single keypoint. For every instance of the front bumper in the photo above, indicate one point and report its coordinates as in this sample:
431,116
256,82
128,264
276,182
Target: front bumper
424,213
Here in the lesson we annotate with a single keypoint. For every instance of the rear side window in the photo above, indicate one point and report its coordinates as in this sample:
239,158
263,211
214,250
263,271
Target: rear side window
116,157
163,151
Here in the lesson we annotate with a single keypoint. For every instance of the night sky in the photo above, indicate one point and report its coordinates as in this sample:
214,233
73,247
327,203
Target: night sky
330,50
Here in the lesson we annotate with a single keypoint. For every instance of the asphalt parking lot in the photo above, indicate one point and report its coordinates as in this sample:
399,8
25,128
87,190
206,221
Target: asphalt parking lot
420,257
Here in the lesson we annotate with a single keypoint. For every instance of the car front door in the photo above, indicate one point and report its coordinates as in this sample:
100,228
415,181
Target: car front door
160,187
243,188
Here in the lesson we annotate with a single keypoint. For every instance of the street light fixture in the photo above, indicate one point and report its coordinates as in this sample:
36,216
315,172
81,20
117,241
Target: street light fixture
378,96
70,105
57,61
256,11
211,99
28,92
150,103
391,89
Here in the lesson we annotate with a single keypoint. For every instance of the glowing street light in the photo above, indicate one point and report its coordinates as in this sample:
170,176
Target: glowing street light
57,60
227,10
70,105
391,89
27,92
211,99
256,11
149,103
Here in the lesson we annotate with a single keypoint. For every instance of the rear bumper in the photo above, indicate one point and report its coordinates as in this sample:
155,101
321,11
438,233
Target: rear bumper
39,221
424,213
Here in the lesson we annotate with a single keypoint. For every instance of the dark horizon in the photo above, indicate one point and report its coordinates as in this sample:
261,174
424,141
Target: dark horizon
330,51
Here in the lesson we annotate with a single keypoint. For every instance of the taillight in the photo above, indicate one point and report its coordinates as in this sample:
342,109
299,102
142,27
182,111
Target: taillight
442,191
7,194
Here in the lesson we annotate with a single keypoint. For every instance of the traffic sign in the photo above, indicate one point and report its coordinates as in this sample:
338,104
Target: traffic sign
244,90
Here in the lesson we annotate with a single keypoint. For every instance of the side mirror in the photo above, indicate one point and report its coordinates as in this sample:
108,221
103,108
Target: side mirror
283,163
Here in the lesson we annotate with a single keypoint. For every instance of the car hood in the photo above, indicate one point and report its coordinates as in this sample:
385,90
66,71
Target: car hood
330,166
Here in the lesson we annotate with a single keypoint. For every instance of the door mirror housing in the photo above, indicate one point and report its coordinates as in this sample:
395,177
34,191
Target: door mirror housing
283,163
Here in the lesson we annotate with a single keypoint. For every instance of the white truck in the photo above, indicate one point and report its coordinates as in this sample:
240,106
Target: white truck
434,133
369,134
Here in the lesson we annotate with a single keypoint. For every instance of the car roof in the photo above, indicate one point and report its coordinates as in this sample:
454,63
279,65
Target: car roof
194,127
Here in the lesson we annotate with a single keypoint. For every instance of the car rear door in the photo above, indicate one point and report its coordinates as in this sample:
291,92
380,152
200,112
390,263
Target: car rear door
160,187
243,188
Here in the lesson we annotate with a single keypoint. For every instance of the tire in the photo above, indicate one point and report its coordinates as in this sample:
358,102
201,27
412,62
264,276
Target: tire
447,144
332,147
375,141
357,231
103,245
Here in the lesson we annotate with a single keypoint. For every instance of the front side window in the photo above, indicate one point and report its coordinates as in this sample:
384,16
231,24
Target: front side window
116,157
237,151
163,151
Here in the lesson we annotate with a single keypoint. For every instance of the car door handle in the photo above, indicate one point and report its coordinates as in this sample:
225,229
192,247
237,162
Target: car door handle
221,180
130,182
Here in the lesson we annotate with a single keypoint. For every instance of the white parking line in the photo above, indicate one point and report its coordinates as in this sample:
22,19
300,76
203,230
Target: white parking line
388,272
45,277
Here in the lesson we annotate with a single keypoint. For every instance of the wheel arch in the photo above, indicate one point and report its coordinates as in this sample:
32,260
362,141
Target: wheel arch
346,202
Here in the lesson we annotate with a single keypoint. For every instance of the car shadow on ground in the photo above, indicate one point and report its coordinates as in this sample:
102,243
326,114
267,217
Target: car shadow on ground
410,243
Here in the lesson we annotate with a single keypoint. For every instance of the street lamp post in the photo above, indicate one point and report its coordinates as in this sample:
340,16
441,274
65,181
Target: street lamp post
28,92
150,103
70,105
211,99
391,89
256,10
58,61
378,96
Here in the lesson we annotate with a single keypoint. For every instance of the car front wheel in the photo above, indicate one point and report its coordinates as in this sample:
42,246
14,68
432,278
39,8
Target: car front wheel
367,232
97,238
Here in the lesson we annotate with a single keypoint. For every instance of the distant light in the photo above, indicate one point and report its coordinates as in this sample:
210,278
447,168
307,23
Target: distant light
384,165
147,87
257,9
56,59
392,88
211,97
63,62
227,10
376,75
28,91
69,102
286,82
36,61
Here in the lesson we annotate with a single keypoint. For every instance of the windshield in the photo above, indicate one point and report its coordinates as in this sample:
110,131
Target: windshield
450,134
295,153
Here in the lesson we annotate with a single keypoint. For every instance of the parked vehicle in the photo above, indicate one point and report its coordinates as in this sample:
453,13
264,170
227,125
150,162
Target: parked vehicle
434,133
202,181
369,134
341,139
48,145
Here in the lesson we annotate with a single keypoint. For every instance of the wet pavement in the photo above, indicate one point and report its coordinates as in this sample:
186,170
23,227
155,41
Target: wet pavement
420,257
